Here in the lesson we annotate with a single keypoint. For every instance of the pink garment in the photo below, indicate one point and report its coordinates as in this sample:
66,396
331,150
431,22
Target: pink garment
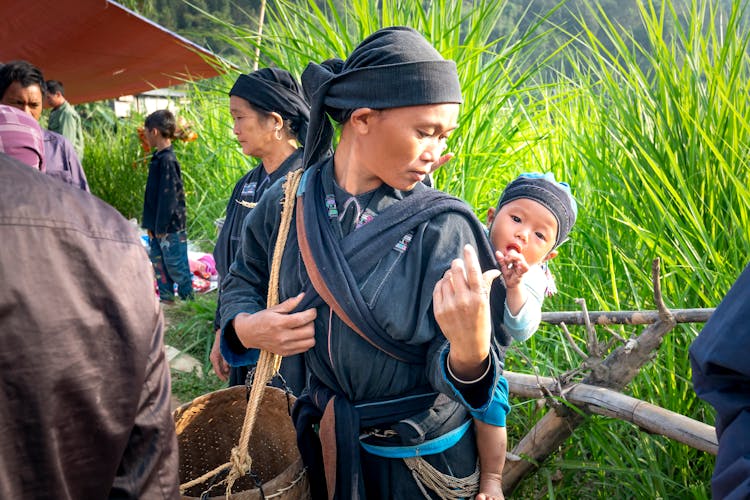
203,267
208,259
21,137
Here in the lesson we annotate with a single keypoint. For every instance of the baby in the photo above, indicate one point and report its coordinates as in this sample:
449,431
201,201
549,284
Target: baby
533,217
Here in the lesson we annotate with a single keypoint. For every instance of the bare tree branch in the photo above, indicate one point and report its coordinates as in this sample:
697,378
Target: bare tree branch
591,341
573,344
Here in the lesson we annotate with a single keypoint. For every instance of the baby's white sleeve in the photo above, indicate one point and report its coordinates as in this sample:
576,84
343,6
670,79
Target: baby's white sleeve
525,323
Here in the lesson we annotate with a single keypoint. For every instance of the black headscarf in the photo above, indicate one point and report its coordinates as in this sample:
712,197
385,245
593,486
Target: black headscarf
393,67
276,90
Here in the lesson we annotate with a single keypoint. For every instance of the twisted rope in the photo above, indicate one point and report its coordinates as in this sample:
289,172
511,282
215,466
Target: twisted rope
448,487
268,362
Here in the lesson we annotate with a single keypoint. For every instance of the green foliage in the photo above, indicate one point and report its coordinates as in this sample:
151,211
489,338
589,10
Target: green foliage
191,19
115,164
648,120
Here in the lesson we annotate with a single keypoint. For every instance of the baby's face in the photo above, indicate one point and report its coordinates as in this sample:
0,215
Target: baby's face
524,226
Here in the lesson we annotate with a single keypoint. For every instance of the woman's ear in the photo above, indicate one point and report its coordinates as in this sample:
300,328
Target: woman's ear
361,119
278,120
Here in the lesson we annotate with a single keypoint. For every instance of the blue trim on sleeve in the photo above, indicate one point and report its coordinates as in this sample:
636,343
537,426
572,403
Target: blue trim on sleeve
429,447
247,358
495,411
498,409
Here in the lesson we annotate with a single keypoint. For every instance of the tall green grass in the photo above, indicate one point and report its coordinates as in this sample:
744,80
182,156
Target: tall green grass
654,141
115,164
653,137
189,328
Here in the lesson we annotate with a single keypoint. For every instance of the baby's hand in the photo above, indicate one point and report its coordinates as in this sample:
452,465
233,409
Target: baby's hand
513,265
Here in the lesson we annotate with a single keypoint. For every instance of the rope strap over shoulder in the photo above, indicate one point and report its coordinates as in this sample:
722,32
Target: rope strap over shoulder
268,362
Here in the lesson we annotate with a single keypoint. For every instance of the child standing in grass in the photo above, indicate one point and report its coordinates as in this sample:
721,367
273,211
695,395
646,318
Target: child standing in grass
164,213
532,219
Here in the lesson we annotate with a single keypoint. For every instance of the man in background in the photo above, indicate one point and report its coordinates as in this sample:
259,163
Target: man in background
63,118
22,86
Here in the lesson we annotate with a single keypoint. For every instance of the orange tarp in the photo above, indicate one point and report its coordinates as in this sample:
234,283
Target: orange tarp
99,49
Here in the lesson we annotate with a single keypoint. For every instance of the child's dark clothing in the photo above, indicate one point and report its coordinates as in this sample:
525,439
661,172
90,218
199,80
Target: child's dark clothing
164,216
164,202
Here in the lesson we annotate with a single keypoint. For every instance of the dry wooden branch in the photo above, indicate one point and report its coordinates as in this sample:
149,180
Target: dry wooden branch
591,342
572,342
609,403
614,372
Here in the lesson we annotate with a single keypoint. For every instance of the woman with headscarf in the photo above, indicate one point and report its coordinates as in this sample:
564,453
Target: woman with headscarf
270,114
387,410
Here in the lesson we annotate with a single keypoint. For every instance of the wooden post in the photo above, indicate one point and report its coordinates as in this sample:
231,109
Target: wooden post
261,16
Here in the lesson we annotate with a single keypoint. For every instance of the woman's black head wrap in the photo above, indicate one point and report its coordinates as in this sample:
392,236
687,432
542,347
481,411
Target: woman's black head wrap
276,90
391,68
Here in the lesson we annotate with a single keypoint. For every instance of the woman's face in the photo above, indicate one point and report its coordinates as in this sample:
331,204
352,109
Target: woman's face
255,132
398,146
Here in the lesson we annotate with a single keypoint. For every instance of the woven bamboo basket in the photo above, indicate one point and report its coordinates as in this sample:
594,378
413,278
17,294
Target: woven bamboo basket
209,427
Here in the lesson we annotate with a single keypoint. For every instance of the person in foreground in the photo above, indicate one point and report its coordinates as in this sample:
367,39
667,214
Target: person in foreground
164,213
532,219
270,115
382,416
84,405
721,377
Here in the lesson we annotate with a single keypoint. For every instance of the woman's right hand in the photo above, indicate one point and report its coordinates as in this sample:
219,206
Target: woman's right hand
277,329
441,161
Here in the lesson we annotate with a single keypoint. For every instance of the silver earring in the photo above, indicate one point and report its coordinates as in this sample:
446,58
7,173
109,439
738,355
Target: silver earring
277,133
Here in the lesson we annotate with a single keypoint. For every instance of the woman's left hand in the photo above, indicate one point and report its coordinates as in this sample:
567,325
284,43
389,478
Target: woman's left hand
461,303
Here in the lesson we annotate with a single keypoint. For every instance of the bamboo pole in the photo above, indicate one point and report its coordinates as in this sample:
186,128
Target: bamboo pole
625,317
261,17
610,403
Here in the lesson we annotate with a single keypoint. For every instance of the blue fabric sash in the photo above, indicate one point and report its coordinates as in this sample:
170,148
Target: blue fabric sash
430,447
332,456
